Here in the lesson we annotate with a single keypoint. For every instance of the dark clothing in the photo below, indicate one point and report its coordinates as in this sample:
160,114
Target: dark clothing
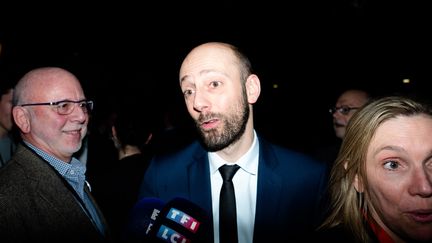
335,234
116,189
37,206
173,139
100,153
339,234
328,153
7,148
289,189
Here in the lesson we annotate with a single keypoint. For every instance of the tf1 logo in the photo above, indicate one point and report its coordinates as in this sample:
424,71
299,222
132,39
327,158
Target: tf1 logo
186,221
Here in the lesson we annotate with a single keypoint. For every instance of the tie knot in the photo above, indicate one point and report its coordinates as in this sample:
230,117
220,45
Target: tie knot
228,171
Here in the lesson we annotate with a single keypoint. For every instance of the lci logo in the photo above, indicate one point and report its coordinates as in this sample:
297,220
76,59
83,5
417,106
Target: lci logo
179,217
169,235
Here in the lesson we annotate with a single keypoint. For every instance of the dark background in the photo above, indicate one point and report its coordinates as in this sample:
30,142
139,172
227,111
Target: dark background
311,50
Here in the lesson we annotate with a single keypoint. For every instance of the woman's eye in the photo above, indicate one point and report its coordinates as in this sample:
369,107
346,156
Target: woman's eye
391,165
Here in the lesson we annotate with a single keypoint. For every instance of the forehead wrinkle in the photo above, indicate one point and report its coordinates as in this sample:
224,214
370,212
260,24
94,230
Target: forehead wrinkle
389,147
202,73
210,71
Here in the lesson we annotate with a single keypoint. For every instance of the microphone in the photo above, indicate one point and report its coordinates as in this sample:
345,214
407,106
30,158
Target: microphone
181,221
142,218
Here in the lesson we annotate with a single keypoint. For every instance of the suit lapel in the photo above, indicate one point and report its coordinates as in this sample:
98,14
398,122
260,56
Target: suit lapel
98,211
48,185
268,188
199,180
199,186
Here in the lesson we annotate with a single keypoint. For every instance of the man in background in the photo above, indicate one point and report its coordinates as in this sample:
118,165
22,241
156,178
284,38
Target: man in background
348,102
7,141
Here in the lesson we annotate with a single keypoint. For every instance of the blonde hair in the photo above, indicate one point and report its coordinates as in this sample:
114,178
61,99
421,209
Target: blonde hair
350,208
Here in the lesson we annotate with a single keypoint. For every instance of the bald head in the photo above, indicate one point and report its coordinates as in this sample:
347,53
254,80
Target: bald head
352,98
35,83
39,120
216,55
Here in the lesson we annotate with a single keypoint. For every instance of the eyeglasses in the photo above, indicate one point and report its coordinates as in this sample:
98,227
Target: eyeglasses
344,110
65,107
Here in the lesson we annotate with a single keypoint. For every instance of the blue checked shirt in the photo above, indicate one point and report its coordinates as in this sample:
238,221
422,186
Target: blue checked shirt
74,174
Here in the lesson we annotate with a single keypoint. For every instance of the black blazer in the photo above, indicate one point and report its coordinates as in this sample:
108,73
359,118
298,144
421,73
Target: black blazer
289,192
37,206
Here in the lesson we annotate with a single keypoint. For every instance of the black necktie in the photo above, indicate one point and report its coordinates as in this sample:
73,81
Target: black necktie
227,206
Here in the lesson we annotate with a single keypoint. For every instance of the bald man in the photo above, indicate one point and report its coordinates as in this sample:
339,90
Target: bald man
277,190
346,105
43,192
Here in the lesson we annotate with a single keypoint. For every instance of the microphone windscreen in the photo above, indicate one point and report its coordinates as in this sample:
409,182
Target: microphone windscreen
182,221
142,218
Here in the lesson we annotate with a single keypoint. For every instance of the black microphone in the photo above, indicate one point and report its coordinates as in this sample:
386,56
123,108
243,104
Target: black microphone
181,221
142,219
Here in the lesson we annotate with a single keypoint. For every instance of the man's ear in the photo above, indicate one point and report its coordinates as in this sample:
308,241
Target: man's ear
22,118
253,88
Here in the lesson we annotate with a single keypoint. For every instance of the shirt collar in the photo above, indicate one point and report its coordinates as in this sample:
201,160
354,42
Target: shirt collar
61,166
247,162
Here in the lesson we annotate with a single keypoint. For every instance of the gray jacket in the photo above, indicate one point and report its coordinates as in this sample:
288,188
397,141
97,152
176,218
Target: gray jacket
36,204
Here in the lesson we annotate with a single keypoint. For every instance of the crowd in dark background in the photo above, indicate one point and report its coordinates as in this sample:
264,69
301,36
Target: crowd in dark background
305,53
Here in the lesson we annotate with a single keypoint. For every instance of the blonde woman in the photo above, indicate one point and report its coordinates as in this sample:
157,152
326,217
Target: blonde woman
381,182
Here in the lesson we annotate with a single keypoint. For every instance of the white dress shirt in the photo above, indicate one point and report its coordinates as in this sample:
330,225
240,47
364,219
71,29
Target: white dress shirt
245,186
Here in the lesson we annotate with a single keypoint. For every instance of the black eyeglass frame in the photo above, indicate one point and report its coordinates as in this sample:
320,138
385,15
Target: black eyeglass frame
344,110
85,105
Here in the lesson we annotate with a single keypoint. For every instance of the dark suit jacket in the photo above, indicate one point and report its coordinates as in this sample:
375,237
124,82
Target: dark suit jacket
37,206
290,187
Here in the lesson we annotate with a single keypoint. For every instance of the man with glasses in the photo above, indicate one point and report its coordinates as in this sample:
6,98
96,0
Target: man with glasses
346,105
43,190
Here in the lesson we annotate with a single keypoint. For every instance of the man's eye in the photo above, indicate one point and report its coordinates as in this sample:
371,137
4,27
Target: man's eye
63,105
187,92
215,84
